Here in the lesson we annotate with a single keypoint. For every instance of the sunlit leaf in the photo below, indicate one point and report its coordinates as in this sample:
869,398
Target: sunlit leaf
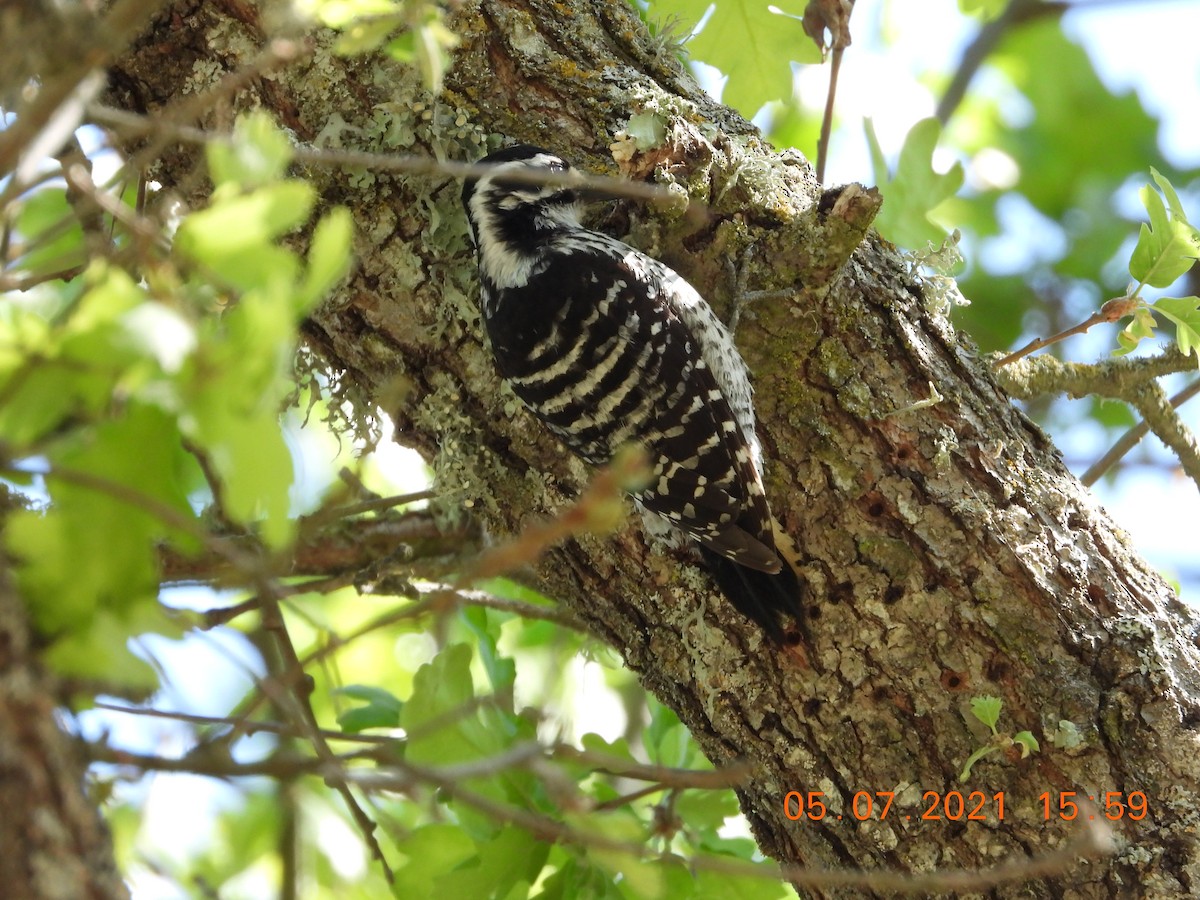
1169,245
1184,312
752,41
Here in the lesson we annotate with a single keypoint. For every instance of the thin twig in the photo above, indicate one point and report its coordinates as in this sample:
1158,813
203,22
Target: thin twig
981,47
835,66
134,125
375,504
248,727
1112,311
1131,438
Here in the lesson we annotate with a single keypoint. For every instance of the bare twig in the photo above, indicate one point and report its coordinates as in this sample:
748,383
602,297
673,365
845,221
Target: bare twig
985,42
1112,311
246,726
88,44
592,511
133,125
1130,439
835,67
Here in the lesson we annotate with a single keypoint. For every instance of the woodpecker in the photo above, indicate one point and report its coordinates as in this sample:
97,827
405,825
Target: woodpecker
607,347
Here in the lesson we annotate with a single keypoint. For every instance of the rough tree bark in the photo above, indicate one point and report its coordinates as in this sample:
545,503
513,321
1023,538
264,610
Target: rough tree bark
946,550
56,847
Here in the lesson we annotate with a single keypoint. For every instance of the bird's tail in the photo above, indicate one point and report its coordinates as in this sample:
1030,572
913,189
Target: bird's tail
768,599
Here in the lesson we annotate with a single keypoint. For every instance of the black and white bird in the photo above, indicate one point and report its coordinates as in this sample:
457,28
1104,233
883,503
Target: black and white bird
609,347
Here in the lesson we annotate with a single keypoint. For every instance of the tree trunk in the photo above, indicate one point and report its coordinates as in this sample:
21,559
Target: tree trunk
56,846
946,551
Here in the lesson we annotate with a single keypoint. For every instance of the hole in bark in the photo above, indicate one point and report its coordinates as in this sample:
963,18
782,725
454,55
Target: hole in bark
843,591
812,706
793,638
813,613
879,694
1191,718
954,681
892,594
876,509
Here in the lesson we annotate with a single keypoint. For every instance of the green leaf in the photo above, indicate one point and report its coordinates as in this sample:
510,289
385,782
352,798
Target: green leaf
1140,327
367,34
1185,314
95,549
439,716
1169,245
257,153
329,257
1027,742
986,10
49,227
915,191
501,670
1056,151
987,710
380,709
234,237
668,743
101,651
429,852
513,856
723,886
752,42
706,810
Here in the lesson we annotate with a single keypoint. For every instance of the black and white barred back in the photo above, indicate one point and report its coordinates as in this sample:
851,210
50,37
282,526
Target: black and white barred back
608,347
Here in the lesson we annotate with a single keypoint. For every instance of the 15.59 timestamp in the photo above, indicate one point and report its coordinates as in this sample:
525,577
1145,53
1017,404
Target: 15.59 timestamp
1117,805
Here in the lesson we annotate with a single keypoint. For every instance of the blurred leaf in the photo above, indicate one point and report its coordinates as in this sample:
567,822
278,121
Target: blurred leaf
722,886
257,153
1057,151
751,41
667,742
983,9
706,810
379,709
579,880
916,189
234,237
47,225
429,852
501,670
512,857
328,257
